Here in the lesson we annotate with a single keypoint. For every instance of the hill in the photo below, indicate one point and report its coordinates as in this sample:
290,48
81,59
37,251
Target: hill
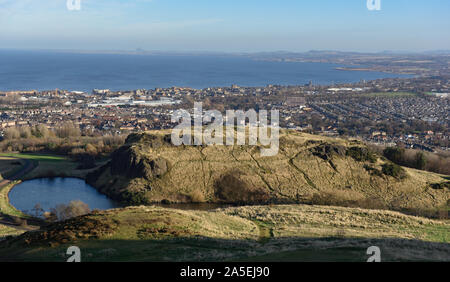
257,233
308,169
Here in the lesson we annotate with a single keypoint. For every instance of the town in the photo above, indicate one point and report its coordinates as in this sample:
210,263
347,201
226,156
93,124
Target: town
410,112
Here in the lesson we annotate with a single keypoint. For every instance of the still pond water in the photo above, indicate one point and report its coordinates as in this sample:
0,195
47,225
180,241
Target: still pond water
50,192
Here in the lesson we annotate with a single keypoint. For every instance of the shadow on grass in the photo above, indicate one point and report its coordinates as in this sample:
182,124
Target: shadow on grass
289,249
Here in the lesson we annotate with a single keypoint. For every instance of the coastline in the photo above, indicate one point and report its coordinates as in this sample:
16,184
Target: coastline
356,69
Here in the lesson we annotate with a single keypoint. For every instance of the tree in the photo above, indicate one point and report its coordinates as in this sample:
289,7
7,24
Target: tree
41,131
91,149
11,133
421,161
73,209
37,210
25,132
67,130
395,155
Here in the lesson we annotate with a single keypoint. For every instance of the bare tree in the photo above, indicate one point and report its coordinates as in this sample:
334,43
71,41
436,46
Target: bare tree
73,209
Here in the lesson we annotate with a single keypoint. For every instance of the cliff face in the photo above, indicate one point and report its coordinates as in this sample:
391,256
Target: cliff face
307,169
129,162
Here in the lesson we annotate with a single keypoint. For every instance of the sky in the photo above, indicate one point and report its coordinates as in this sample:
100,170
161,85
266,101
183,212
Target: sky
226,25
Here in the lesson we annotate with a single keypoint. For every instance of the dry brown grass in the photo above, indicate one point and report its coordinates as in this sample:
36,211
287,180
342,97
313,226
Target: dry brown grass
294,175
318,221
197,196
274,232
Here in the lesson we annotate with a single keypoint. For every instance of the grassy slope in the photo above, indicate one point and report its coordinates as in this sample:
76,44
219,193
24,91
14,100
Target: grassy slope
9,166
293,232
36,157
48,165
295,173
8,231
5,207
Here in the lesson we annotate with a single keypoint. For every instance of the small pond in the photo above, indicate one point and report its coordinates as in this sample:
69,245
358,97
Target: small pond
50,192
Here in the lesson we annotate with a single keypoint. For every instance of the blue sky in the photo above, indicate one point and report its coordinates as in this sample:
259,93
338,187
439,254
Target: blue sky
226,25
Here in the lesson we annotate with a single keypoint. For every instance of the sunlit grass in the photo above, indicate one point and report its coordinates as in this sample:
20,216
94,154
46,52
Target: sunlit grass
35,157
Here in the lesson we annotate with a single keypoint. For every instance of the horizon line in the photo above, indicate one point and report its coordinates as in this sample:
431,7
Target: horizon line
141,51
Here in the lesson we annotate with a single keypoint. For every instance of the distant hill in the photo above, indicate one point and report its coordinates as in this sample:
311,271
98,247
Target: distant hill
308,169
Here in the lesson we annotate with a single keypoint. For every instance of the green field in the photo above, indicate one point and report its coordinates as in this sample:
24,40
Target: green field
35,157
46,165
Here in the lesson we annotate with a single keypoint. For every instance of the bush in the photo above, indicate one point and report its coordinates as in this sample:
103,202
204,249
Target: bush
420,161
373,171
197,196
134,198
395,155
361,154
73,209
394,170
440,186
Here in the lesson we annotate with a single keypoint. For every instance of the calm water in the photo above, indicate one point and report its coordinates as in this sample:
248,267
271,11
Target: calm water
50,192
42,70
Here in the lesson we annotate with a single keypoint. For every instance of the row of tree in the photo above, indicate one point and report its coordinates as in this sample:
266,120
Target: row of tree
439,163
65,130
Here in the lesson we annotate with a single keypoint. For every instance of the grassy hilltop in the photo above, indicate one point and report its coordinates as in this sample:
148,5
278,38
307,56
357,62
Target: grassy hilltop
322,172
257,233
308,169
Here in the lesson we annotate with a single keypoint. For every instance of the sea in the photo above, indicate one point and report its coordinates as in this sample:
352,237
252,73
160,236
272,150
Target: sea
48,70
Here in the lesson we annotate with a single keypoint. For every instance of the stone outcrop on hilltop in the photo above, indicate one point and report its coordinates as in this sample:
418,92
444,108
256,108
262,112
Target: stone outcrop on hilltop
308,169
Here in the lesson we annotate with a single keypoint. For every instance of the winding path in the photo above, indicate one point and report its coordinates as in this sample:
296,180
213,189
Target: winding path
26,168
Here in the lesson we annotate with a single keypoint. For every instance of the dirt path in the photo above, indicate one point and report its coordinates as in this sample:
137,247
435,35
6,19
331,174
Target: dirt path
27,167
7,219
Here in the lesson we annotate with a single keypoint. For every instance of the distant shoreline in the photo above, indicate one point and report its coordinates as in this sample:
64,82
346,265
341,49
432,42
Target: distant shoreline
356,69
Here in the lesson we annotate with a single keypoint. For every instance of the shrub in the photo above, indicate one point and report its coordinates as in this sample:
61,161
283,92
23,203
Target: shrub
420,161
440,186
197,196
73,209
395,155
394,170
373,171
361,154
134,198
